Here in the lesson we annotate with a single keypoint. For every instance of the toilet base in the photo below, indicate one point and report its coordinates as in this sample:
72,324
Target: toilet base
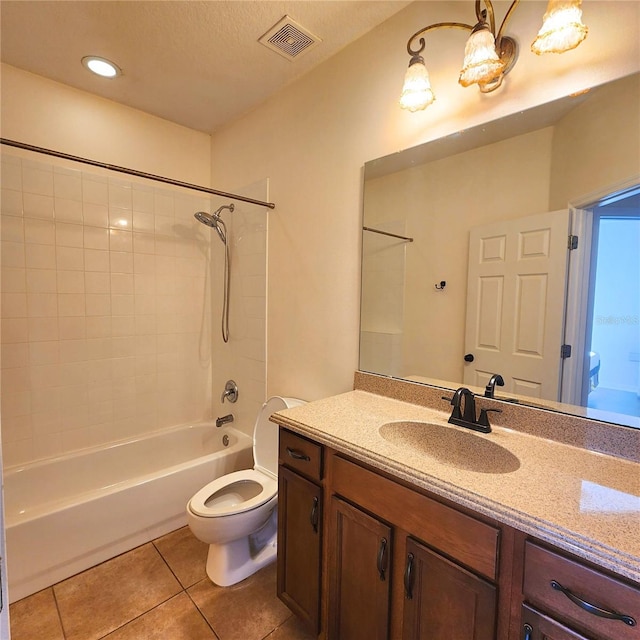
228,564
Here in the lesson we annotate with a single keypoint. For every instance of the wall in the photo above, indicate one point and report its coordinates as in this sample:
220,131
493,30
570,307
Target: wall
313,138
48,114
592,132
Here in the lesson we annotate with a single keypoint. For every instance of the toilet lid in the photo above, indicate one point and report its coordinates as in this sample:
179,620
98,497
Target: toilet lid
265,436
223,496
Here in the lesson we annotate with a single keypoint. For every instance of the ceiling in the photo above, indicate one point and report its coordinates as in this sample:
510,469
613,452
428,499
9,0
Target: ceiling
197,63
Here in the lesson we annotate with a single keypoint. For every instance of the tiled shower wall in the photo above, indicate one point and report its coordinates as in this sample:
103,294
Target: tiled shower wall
106,324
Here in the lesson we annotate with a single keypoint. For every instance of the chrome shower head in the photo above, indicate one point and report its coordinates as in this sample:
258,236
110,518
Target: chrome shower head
215,221
206,218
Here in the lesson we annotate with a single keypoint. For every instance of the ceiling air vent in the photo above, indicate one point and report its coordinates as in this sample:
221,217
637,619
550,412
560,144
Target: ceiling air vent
289,39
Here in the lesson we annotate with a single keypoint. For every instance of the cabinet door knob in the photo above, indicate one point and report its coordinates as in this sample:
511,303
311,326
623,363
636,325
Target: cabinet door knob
408,577
592,608
382,558
314,515
469,357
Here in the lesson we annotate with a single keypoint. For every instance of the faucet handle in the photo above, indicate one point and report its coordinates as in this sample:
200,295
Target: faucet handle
230,392
483,419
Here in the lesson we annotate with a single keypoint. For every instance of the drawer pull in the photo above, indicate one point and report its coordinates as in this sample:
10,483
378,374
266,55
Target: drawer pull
382,558
592,608
408,577
297,455
314,514
528,632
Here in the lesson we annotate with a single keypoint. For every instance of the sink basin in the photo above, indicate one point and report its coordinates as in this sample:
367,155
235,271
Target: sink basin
451,446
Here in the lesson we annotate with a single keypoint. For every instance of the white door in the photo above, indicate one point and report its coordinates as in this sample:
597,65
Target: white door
515,303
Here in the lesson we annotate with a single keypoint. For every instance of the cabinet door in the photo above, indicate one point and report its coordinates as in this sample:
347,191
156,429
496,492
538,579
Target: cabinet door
359,574
443,601
536,626
299,544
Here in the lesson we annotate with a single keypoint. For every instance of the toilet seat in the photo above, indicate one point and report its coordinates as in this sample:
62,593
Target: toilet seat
267,489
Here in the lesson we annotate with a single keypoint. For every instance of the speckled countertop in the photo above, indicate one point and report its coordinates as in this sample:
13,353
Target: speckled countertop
584,502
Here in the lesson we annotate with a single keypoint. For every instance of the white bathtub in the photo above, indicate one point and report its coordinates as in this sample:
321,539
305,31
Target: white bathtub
67,514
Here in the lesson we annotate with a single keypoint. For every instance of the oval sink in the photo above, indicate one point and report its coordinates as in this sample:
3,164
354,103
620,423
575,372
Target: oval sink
451,446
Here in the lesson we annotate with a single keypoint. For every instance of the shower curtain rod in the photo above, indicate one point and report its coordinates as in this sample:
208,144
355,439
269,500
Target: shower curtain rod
133,172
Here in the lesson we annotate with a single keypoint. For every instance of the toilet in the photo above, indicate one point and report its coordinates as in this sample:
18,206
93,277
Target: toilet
236,514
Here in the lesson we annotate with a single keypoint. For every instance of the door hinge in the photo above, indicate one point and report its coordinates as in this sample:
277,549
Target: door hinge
573,242
565,351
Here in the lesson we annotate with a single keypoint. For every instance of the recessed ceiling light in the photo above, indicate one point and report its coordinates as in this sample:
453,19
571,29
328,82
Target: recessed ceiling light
101,66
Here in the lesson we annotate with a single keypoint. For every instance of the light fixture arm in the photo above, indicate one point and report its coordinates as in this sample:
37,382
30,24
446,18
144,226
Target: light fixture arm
505,20
431,27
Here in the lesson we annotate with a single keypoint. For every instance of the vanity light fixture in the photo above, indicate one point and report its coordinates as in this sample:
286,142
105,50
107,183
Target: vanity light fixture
489,54
101,66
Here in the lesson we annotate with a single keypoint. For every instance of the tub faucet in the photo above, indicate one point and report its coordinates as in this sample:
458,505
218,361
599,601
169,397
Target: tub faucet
224,420
495,379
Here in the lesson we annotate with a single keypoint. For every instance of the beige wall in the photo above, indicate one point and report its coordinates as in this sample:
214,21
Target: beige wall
597,132
48,114
313,138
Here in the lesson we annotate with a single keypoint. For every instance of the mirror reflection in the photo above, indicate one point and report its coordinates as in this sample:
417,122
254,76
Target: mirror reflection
513,249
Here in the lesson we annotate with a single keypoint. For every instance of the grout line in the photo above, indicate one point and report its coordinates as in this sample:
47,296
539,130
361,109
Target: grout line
144,613
55,600
216,636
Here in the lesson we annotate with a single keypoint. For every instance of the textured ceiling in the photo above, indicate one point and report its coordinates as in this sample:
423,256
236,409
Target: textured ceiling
195,63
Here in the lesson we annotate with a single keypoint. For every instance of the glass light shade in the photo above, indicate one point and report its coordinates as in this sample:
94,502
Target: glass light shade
562,28
416,92
481,62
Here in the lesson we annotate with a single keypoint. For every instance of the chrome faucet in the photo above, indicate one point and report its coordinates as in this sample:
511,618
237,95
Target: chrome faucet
464,411
490,389
224,420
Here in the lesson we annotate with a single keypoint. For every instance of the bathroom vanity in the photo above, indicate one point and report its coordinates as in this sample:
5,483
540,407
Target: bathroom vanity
383,533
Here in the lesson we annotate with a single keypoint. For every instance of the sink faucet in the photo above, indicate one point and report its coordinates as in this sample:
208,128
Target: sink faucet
464,411
224,420
495,379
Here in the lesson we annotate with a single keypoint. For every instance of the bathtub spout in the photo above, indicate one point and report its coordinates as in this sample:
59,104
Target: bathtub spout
224,420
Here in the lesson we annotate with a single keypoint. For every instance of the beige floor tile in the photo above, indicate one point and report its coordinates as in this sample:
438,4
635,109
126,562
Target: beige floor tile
249,610
104,598
292,629
185,554
176,619
36,617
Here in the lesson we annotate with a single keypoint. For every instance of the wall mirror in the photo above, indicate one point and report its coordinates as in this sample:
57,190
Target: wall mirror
513,248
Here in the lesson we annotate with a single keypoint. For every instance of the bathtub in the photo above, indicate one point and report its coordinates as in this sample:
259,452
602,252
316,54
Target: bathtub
66,514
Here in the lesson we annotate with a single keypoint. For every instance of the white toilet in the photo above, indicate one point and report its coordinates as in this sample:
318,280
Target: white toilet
237,513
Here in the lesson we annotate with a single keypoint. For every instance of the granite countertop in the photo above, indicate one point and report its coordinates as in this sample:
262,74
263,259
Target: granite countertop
584,502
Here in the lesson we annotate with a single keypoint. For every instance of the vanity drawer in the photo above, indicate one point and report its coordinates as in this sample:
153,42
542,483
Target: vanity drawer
462,538
300,454
542,568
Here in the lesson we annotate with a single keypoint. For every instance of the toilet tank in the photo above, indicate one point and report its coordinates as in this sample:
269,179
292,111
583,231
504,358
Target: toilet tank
265,434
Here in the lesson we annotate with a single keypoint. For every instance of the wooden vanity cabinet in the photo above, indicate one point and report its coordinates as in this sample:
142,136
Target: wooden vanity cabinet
300,505
443,600
359,577
566,599
537,626
388,561
397,568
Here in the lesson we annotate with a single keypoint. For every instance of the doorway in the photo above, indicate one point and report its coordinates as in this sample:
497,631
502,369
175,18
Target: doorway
612,377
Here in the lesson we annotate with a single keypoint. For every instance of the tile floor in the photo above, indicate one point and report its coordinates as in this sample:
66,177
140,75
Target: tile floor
158,591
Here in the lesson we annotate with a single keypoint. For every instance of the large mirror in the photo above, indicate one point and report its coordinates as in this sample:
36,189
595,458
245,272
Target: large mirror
513,249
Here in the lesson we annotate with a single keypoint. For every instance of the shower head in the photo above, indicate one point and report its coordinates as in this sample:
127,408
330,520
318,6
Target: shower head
214,220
